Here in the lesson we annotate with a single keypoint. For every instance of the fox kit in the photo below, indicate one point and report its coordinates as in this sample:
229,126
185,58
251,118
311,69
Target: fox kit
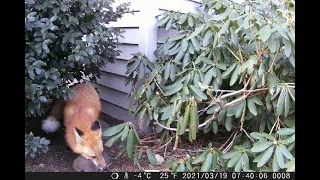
82,129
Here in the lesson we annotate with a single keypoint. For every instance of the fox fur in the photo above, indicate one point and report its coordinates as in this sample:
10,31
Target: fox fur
82,128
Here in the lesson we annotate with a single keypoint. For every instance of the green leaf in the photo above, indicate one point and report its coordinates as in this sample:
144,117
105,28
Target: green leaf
287,49
200,157
140,154
125,132
163,21
231,154
114,130
253,60
261,146
208,38
280,104
113,139
170,163
238,166
235,75
282,31
267,136
130,143
215,127
195,43
289,123
245,162
133,66
222,115
186,59
180,168
275,166
258,158
239,109
257,100
272,81
252,107
224,28
265,156
197,92
183,18
221,66
184,45
285,131
234,160
207,163
285,151
141,71
204,60
274,44
265,32
292,60
173,72
196,31
287,104
215,41
228,123
152,158
136,136
167,71
292,93
280,159
214,160
226,73
208,77
290,165
169,24
190,21
189,167
176,37
173,90
179,56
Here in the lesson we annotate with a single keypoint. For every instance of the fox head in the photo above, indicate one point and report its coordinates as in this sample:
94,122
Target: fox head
90,145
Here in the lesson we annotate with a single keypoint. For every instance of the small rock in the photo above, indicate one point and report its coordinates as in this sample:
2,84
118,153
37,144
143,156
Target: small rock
81,164
41,165
159,158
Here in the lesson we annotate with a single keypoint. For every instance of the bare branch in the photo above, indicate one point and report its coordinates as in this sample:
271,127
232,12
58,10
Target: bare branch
227,140
251,139
158,86
216,112
274,125
231,143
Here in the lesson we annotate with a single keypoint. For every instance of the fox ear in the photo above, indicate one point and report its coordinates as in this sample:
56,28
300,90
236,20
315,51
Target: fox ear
78,133
96,126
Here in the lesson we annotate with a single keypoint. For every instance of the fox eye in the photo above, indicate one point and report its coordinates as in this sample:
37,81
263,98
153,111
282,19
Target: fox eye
93,157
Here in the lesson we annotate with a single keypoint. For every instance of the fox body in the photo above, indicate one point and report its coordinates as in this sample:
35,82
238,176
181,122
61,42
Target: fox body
82,129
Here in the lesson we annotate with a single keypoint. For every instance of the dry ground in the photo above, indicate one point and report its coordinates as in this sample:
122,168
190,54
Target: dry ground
59,158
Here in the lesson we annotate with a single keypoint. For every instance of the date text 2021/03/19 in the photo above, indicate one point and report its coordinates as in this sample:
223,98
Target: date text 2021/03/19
227,175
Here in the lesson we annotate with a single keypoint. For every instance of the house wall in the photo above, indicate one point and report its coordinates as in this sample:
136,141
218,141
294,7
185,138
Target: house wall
141,35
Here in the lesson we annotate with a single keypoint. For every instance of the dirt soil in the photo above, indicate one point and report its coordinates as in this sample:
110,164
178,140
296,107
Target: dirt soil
60,158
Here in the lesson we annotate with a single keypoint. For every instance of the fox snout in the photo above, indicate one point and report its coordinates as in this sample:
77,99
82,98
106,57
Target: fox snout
99,162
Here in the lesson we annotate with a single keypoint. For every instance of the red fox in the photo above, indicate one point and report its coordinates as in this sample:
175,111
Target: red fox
82,129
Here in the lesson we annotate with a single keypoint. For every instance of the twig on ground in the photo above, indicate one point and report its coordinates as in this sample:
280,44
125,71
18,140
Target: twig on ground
166,145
